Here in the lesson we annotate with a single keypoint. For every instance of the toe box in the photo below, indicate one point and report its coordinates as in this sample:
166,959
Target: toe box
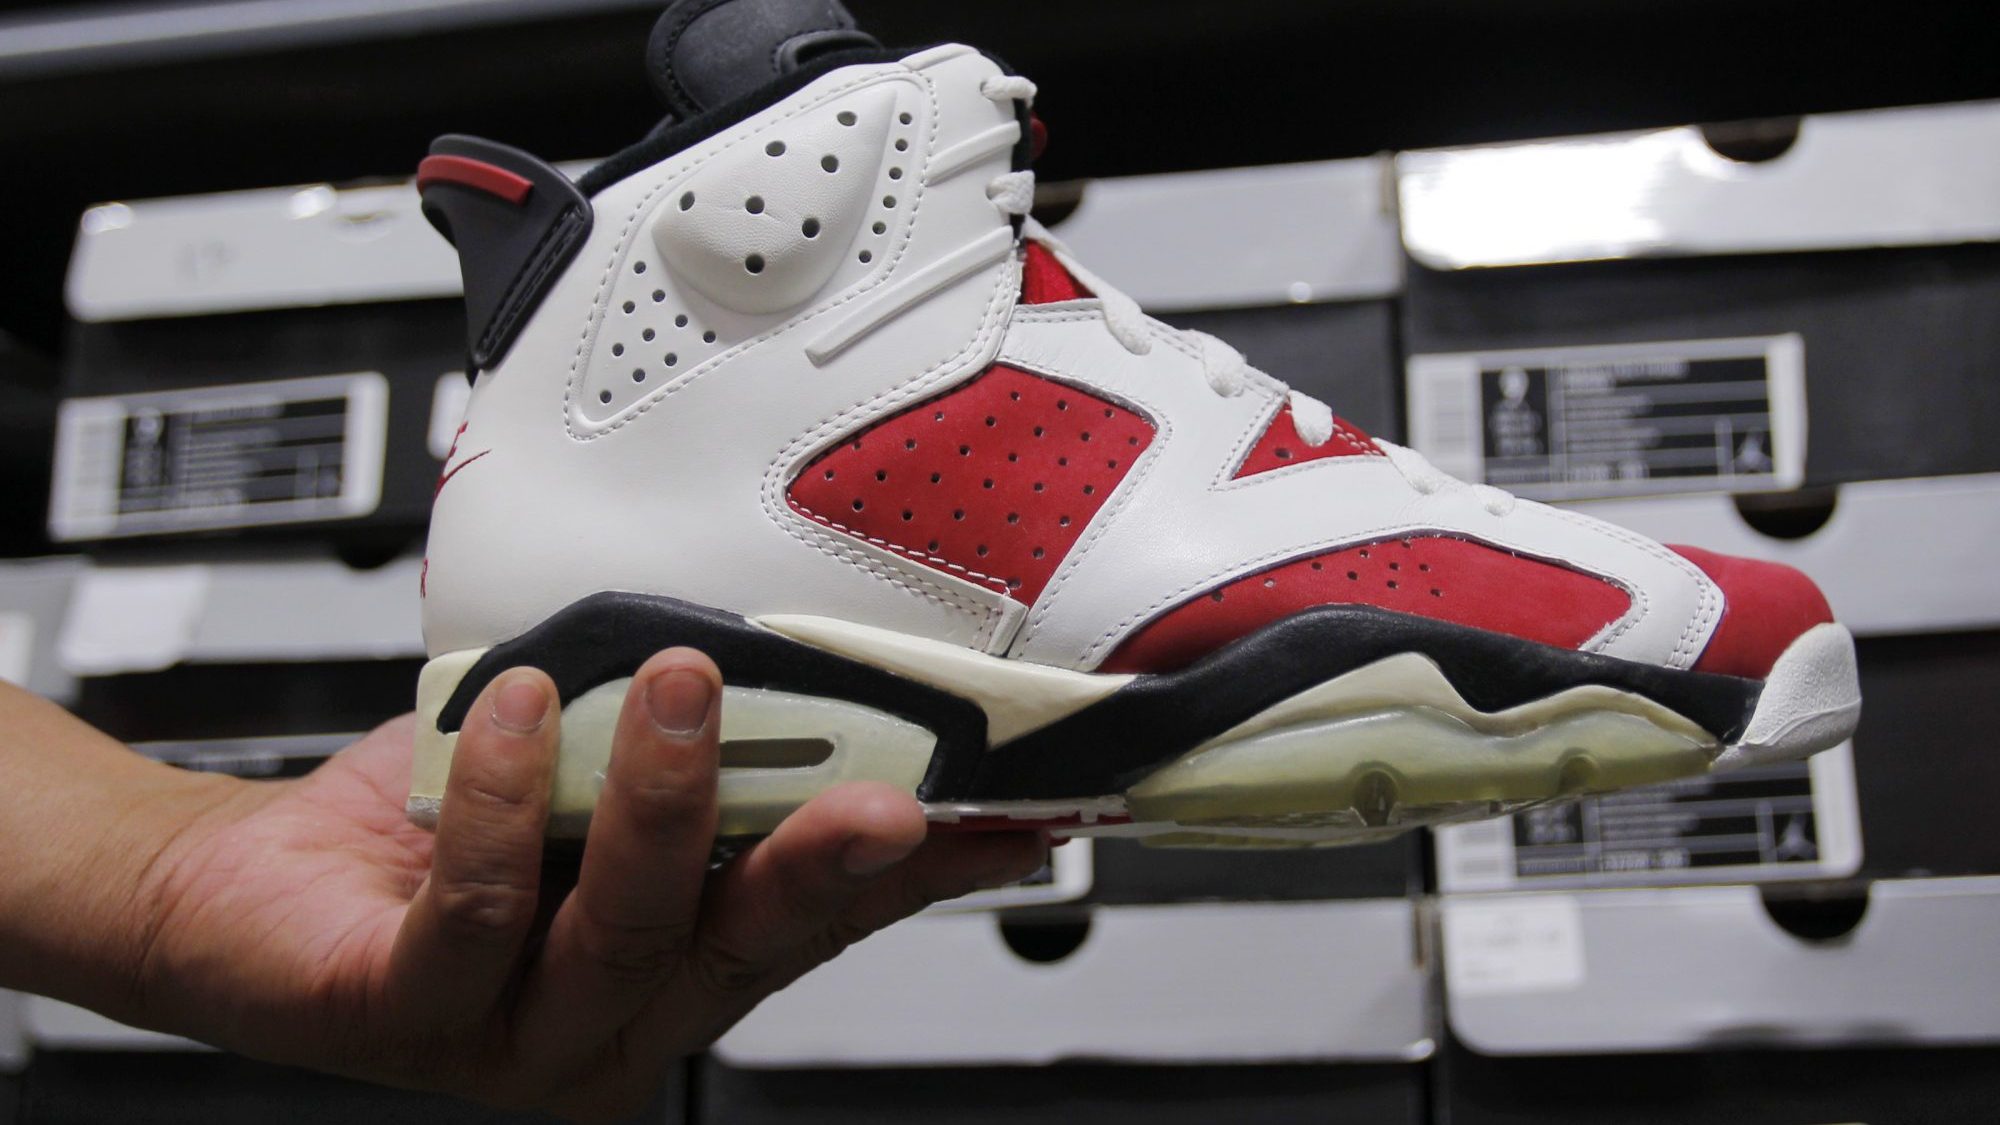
1766,606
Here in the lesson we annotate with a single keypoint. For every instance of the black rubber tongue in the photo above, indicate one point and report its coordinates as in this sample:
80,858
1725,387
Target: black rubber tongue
706,53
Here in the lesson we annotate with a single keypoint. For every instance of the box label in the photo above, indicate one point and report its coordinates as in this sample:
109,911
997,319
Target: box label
1567,423
1782,821
219,457
1508,946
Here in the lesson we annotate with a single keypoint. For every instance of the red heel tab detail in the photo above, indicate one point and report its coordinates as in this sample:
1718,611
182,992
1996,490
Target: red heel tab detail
475,174
1765,607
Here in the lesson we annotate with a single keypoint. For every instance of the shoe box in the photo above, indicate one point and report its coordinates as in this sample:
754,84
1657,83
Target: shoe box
1267,1011
1297,266
267,365
1771,340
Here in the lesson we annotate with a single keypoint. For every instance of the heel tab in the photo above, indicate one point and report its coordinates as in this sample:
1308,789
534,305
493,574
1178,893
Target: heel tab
517,223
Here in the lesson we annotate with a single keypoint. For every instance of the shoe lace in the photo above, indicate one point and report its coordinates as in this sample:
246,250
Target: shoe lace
1222,366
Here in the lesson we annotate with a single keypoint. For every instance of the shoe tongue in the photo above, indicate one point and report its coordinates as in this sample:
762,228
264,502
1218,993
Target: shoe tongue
706,53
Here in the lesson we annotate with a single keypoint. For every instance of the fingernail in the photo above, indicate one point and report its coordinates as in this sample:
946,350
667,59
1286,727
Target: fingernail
678,703
520,706
872,857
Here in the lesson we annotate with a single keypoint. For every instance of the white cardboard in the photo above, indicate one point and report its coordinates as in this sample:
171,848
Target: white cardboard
1243,237
131,619
1692,968
1515,944
1900,177
1228,982
145,618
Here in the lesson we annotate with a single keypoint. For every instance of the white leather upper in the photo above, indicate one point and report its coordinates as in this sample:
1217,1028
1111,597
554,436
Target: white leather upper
1179,524
602,466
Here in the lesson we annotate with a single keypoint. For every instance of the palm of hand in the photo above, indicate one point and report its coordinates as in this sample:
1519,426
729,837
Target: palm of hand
308,922
316,877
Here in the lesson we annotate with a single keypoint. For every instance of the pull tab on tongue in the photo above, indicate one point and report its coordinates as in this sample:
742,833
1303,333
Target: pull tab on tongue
705,53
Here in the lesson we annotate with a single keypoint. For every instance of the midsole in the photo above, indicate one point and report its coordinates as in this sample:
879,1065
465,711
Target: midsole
863,745
1397,730
1066,734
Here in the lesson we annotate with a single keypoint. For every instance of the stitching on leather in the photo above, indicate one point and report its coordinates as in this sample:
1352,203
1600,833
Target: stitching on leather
1100,524
541,261
1321,465
778,474
982,346
998,583
1641,602
900,580
1381,531
887,74
1245,442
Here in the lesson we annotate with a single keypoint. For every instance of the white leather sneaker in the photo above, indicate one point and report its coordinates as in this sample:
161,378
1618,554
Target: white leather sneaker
793,381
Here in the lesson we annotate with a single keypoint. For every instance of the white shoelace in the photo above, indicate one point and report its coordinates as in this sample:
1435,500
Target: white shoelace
1224,368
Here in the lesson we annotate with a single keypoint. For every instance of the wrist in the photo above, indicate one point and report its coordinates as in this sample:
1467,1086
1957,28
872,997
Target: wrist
91,836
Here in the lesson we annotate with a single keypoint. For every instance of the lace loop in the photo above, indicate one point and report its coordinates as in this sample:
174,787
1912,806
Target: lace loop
1428,479
1222,367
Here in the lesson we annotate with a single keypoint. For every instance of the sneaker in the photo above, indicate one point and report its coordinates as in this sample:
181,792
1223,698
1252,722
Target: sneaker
794,380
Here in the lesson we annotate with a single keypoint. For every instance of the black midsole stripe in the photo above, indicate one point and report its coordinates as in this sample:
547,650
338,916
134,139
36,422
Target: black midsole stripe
1157,718
1107,747
606,637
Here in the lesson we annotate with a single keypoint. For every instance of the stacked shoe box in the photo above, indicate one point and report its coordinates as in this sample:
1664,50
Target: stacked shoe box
257,393
242,449
1141,983
258,366
1773,339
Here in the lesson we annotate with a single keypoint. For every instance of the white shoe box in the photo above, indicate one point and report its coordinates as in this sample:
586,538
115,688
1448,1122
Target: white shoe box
1619,314
1692,968
1209,983
1297,266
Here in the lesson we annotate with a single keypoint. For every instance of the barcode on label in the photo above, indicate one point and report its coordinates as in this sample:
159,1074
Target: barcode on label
1568,423
219,457
1784,820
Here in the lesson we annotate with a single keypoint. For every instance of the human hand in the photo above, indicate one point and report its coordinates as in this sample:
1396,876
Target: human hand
308,922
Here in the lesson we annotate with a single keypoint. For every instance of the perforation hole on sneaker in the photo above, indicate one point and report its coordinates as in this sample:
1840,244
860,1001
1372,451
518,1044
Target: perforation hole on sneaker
756,229
973,499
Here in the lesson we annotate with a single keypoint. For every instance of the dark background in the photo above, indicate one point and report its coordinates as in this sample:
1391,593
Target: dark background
1129,86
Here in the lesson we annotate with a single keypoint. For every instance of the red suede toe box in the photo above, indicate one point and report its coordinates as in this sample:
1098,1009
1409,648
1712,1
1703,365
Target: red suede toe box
1766,606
